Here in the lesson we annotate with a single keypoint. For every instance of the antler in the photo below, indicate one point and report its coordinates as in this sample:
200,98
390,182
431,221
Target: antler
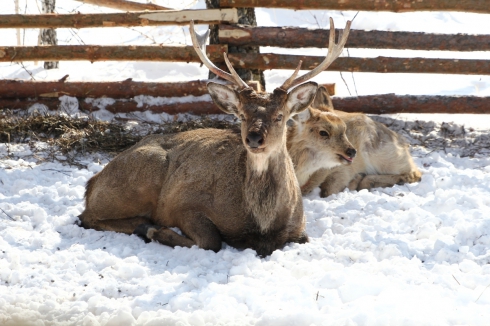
200,48
334,50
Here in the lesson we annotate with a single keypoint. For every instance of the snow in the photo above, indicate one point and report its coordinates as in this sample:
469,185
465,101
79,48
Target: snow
414,254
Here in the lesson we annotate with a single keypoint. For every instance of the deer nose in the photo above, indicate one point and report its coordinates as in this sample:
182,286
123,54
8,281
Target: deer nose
254,139
351,152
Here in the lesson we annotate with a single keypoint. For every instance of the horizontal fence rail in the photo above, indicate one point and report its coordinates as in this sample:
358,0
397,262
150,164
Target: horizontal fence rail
108,53
266,61
372,104
391,103
24,94
475,6
121,89
144,18
124,5
117,89
262,61
118,106
295,37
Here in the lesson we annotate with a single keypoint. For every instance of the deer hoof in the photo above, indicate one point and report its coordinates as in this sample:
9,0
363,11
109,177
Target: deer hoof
145,231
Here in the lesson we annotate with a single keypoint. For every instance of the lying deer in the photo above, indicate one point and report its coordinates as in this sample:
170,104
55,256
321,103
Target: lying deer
318,145
214,185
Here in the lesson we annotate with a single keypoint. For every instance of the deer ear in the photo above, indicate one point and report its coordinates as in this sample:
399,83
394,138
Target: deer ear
301,97
303,116
225,98
322,100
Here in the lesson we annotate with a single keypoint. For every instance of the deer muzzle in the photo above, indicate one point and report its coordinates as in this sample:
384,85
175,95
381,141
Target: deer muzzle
254,139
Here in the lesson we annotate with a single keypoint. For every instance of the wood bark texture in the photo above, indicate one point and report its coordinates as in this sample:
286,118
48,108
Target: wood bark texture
391,103
108,53
120,106
245,60
379,64
373,104
475,6
21,89
124,5
295,37
143,18
123,89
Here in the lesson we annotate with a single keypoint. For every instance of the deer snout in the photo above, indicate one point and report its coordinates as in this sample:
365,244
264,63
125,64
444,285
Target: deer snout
347,157
351,152
254,139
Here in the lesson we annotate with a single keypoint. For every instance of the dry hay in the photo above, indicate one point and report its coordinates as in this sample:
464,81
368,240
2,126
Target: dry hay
448,137
69,138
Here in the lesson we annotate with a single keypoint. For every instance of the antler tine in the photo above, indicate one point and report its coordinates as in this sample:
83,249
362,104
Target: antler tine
237,78
205,60
334,51
287,83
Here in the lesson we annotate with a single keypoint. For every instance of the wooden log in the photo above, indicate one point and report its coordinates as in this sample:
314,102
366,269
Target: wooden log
118,90
372,104
391,103
124,5
250,60
476,6
295,37
144,18
122,89
379,64
200,107
108,53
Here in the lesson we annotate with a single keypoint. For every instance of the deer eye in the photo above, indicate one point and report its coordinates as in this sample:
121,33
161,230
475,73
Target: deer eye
279,117
323,133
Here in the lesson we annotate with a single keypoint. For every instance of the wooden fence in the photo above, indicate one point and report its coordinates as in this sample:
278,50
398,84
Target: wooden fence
231,34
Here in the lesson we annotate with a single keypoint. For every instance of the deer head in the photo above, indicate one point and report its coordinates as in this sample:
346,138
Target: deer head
264,115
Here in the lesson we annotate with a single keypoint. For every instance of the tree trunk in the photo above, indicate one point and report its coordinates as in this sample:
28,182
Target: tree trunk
246,16
48,36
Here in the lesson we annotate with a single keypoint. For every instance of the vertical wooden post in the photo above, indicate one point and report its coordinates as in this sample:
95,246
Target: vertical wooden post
246,16
48,35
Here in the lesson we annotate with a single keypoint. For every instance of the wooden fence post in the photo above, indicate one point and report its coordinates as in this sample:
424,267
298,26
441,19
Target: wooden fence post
246,16
48,35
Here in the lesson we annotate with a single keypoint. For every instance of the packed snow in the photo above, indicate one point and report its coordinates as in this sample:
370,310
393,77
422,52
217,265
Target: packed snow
414,254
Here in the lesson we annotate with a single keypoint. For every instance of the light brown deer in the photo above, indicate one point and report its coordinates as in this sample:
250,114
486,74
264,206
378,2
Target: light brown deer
383,157
214,185
317,141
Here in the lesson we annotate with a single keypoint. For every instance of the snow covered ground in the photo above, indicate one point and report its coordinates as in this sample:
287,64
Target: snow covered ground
416,254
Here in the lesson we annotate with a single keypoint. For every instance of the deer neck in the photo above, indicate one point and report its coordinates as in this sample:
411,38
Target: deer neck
302,156
270,184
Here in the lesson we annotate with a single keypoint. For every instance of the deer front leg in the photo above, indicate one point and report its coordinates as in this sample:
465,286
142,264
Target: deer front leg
198,229
388,180
337,180
314,181
123,225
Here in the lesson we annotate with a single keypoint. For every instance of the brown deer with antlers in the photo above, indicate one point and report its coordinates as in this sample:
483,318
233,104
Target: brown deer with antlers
214,185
